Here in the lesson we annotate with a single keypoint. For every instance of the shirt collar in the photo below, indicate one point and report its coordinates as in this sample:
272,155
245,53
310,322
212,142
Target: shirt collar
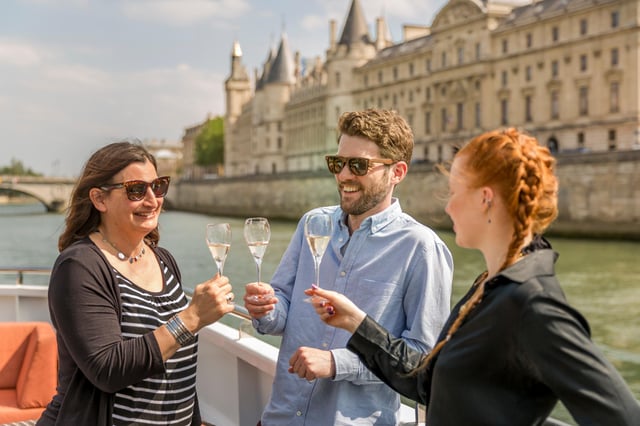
537,264
379,220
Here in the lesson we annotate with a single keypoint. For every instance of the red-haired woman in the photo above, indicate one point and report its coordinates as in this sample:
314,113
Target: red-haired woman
512,346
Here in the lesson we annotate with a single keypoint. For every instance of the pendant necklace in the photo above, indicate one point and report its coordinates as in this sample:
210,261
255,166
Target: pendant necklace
120,254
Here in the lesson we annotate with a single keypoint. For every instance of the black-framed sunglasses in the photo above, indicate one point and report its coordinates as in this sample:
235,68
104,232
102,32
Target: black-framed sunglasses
359,166
137,189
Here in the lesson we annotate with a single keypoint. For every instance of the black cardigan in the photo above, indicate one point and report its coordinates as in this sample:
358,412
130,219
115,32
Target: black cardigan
519,351
82,277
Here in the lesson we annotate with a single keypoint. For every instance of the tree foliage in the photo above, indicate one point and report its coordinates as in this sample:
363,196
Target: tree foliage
16,168
210,143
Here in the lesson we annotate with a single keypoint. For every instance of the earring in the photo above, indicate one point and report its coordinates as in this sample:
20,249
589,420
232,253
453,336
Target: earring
488,207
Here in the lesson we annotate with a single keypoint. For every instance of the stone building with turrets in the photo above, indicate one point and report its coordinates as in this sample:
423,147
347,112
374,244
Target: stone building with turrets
567,71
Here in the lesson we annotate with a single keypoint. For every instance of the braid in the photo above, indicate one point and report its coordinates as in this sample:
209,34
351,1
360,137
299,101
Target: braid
523,173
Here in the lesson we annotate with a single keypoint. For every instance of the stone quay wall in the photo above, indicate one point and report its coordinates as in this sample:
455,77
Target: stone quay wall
599,195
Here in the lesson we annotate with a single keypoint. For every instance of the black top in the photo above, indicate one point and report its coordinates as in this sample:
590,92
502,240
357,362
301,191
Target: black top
95,360
519,351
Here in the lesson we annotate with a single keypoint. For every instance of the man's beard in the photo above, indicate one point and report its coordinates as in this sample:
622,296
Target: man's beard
371,197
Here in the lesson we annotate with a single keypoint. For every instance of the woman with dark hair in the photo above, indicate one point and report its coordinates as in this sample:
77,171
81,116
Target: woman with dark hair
512,346
126,332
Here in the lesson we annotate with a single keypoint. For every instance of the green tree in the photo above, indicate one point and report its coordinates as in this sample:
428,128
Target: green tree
16,168
210,143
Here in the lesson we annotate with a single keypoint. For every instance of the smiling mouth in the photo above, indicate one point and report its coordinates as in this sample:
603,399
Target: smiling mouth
349,189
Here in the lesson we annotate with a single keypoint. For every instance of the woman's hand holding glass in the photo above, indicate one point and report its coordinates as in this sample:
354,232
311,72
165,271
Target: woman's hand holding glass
210,302
336,309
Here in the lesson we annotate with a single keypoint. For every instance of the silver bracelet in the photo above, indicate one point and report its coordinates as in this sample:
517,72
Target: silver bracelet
179,331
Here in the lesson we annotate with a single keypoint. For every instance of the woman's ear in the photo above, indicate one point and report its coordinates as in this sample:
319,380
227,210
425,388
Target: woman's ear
487,196
97,196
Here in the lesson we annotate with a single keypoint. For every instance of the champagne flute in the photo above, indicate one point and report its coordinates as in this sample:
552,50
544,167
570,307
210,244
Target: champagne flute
257,234
317,230
219,242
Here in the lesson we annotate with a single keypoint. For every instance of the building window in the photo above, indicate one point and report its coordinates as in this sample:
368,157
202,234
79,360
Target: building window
554,69
583,27
439,153
478,117
395,100
428,65
504,112
478,51
503,78
583,63
614,57
460,55
614,97
410,120
527,109
612,140
529,39
445,119
411,69
410,95
555,105
428,94
460,115
555,34
580,139
527,73
427,122
366,80
279,142
505,46
337,79
444,59
379,76
615,19
395,73
584,101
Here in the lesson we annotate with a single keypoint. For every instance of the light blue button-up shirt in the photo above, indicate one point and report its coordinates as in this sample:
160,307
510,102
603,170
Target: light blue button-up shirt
395,269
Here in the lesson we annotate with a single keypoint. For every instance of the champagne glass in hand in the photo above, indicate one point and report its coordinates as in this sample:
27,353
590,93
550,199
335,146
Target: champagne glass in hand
317,230
219,242
257,234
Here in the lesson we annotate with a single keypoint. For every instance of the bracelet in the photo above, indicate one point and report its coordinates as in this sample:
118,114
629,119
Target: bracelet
179,331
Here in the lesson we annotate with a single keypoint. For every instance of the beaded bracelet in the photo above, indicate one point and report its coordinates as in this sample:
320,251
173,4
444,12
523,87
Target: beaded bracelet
179,331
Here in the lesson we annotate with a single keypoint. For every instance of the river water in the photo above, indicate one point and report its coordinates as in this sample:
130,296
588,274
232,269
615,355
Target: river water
600,278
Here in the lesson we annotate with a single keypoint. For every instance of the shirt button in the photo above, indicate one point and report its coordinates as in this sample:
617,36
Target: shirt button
298,413
343,273
324,345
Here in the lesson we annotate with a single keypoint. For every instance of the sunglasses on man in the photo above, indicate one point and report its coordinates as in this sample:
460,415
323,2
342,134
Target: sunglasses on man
137,189
359,166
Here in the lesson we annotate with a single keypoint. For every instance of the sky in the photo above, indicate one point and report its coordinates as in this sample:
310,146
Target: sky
78,74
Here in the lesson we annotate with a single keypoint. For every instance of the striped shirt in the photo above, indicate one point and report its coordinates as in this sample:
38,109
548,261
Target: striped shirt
162,399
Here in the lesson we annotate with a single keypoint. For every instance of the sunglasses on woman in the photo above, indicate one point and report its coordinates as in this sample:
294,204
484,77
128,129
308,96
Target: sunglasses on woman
359,166
137,189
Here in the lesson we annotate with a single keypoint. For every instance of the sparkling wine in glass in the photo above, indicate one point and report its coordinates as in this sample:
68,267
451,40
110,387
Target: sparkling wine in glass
317,230
219,242
257,234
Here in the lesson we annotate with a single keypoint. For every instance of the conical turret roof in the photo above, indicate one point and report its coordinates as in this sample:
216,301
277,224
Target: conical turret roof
355,27
283,67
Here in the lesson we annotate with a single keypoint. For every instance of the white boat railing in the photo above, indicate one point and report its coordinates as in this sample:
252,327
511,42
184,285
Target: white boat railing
235,369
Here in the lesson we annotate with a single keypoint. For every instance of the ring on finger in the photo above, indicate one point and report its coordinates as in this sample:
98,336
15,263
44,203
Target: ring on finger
229,297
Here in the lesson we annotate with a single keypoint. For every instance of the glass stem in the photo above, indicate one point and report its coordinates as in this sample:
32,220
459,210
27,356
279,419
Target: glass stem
316,262
259,277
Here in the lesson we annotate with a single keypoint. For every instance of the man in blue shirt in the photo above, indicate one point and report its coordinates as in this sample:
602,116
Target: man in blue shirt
394,268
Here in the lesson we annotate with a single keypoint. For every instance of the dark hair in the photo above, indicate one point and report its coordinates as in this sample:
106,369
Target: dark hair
523,173
82,217
386,128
